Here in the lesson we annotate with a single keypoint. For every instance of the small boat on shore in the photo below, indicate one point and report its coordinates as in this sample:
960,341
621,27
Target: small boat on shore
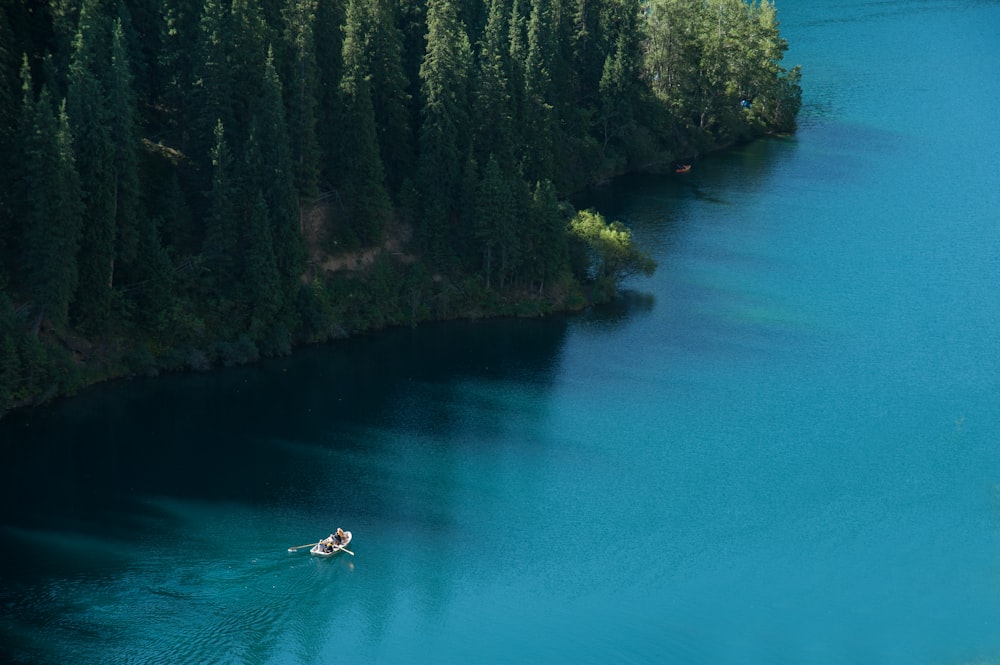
333,544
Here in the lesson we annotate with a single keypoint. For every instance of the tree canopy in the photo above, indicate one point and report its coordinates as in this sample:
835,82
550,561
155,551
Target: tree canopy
183,180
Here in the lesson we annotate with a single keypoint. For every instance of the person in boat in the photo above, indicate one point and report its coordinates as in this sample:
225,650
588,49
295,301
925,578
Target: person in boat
338,538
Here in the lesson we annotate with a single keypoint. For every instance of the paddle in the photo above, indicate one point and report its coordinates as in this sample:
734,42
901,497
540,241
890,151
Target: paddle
344,549
292,549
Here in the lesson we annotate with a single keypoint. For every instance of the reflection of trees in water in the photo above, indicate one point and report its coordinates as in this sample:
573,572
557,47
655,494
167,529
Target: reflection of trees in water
362,431
628,304
212,436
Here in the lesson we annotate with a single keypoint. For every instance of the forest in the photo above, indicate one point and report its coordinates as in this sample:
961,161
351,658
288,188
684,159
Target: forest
195,183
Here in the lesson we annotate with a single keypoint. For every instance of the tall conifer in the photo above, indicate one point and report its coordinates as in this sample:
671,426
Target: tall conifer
540,111
329,53
493,115
495,224
364,180
211,98
444,76
275,178
90,118
261,283
549,251
125,145
49,206
300,76
390,96
222,241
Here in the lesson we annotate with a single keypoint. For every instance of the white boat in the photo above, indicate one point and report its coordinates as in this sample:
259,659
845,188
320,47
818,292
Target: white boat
332,545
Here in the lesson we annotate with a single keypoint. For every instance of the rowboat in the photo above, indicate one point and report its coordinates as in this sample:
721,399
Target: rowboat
683,168
329,545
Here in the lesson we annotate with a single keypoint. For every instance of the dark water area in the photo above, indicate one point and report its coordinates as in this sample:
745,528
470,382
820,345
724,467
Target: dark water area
781,448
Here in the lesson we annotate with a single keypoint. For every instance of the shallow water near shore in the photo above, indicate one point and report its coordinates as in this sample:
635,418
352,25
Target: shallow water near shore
781,448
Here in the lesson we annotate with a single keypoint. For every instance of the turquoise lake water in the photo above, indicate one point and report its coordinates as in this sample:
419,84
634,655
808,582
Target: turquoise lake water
784,447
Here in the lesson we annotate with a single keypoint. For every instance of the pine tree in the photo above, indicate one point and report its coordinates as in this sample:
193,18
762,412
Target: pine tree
49,206
493,114
180,27
616,94
412,22
124,140
261,283
540,115
247,65
618,89
517,47
211,99
495,226
444,76
549,251
90,118
329,51
276,180
152,290
301,80
364,185
587,50
222,237
390,98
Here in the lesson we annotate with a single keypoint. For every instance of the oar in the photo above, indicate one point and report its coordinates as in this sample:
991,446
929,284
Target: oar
344,549
292,549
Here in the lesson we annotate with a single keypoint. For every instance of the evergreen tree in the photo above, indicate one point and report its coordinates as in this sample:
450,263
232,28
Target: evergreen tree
247,65
174,64
90,119
444,76
495,225
261,282
211,100
412,22
152,290
329,52
616,93
124,140
364,181
390,96
586,45
222,236
275,179
618,88
517,45
49,206
493,114
301,80
540,116
549,250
